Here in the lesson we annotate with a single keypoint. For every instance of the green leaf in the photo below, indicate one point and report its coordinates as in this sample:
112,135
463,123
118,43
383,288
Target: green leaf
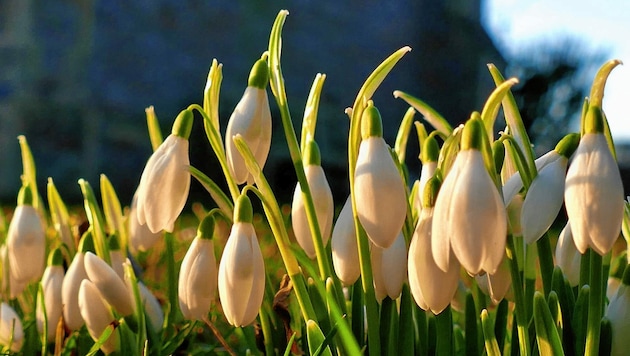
113,211
95,217
223,202
400,147
430,115
310,110
492,347
491,107
153,125
547,336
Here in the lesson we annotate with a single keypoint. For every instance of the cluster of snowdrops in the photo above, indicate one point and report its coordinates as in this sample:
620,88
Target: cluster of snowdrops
458,261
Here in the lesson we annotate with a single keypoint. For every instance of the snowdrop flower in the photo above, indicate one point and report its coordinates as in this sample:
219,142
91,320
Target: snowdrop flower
111,287
546,194
496,285
429,157
11,331
198,273
345,251
514,184
8,282
322,199
241,270
594,193
152,307
567,256
165,181
71,283
432,288
379,189
389,268
618,313
252,120
469,214
51,287
26,240
98,315
141,238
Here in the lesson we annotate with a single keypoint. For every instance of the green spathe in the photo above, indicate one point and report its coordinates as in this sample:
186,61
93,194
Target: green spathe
206,227
594,120
312,155
183,124
472,135
371,122
568,145
430,150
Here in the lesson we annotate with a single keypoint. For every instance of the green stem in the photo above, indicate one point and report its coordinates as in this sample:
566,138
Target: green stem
545,259
594,306
519,299
444,326
171,274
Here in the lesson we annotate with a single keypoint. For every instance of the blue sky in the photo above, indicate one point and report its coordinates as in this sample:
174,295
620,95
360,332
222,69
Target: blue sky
602,25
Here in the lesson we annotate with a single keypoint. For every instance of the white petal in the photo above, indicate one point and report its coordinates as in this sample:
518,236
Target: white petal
97,315
51,287
140,236
11,330
111,287
594,195
426,280
198,279
151,307
26,243
345,252
543,200
70,292
324,209
567,256
394,266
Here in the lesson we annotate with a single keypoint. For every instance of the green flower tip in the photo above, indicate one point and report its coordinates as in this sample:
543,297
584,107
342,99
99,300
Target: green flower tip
568,144
113,242
183,124
472,134
371,122
259,75
55,258
431,190
430,150
206,227
594,120
87,242
312,155
25,196
243,211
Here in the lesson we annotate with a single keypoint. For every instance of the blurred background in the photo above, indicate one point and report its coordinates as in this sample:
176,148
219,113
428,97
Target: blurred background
76,75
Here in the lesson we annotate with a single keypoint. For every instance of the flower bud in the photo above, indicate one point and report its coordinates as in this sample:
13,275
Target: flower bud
71,283
11,331
345,252
51,282
379,190
252,120
141,238
567,256
322,200
389,268
241,270
198,274
165,181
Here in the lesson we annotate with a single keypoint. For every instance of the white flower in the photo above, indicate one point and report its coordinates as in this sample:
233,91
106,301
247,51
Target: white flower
141,238
241,270
110,285
152,307
198,274
97,315
496,285
389,268
469,214
380,195
11,331
324,209
594,195
544,198
345,252
71,283
567,256
165,181
428,283
618,313
51,287
252,120
26,241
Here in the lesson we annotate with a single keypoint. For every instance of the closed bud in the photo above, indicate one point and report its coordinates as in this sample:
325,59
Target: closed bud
112,288
51,282
98,316
345,251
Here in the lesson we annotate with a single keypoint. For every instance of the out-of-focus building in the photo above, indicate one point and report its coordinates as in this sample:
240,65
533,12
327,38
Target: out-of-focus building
75,76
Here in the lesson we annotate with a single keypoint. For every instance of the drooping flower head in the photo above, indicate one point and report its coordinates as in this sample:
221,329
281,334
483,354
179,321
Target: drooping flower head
198,273
97,315
431,287
389,268
345,251
51,282
252,120
241,270
429,157
11,330
469,214
593,190
165,181
380,197
26,240
72,281
322,199
111,287
568,258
